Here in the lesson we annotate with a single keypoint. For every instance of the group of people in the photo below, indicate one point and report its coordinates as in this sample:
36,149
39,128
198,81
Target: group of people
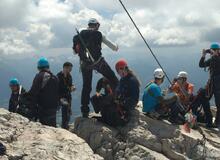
179,99
115,98
47,93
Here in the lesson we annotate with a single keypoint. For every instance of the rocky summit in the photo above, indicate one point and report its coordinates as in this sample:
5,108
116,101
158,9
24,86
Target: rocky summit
25,140
142,138
145,138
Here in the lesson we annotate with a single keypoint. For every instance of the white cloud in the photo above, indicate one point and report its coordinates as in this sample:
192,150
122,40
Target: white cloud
48,24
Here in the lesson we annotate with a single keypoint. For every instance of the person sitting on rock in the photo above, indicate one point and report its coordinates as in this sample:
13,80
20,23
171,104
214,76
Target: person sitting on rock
44,92
183,89
103,90
17,91
124,99
157,105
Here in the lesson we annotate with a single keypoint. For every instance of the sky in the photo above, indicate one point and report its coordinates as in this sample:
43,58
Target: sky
176,30
33,26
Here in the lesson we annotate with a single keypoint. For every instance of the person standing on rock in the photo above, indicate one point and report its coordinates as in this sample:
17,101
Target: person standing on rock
213,64
44,92
16,92
87,44
65,88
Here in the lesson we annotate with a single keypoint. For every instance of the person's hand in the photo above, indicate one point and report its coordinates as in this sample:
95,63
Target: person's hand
98,94
72,88
204,53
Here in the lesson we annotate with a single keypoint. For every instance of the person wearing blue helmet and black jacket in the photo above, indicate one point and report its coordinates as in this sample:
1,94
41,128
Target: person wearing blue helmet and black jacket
16,91
213,63
44,92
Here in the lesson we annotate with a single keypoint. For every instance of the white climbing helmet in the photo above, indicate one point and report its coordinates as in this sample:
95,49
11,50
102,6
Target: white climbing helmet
158,73
182,74
93,21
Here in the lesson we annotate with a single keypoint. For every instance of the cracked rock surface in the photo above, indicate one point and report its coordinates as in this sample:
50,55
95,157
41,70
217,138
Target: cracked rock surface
25,140
144,138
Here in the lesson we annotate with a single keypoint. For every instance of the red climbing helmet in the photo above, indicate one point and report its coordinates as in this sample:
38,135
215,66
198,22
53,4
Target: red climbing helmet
121,64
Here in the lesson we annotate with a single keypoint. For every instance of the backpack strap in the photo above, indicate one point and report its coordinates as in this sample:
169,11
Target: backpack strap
19,94
148,89
46,79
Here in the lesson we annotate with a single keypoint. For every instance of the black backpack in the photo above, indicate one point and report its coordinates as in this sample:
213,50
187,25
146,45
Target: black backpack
49,94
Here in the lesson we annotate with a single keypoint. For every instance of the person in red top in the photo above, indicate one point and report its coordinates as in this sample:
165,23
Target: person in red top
182,88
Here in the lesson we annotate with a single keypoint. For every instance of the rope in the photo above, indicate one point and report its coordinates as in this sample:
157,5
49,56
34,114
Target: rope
204,139
148,46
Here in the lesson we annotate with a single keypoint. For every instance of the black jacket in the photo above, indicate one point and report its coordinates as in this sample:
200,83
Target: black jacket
44,90
103,83
15,100
213,63
93,41
65,84
128,91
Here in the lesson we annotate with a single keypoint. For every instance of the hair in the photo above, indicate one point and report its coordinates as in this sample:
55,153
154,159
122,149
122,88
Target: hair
43,68
130,72
67,64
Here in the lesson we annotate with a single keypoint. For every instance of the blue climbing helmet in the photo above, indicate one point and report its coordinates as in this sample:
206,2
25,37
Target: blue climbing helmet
43,63
13,82
215,46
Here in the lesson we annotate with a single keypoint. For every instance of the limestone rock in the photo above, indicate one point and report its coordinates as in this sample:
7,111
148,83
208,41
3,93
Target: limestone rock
146,139
32,141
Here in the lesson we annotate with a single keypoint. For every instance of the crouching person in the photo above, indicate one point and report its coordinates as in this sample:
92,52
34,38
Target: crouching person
16,92
44,92
103,94
116,109
157,105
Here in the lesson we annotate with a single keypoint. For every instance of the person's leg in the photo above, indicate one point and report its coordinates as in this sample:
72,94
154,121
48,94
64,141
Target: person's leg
107,72
206,107
96,103
64,117
48,117
217,103
86,90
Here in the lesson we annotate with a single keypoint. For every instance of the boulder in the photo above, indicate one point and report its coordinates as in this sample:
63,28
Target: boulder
29,140
146,138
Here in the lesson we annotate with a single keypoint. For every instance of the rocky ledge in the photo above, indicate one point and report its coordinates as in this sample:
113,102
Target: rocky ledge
25,140
146,138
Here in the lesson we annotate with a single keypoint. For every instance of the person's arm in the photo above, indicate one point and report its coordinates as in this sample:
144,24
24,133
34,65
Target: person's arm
204,63
73,87
99,85
133,99
109,44
11,107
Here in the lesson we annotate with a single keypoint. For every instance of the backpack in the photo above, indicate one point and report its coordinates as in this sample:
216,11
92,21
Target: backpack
76,44
49,93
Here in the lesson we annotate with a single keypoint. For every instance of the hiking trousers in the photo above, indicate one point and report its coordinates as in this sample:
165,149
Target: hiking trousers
203,100
87,72
66,114
48,117
216,92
